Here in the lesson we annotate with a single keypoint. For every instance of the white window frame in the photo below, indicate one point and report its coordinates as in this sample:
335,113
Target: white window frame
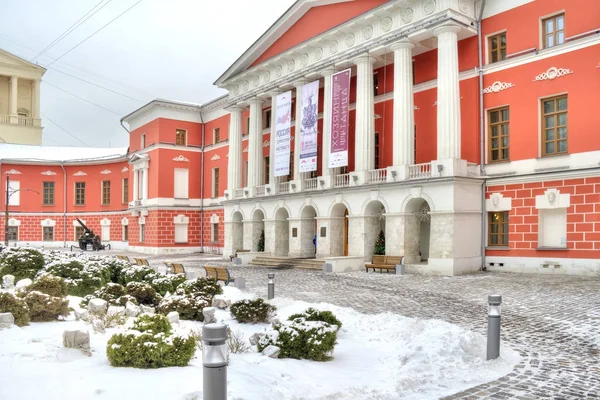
541,29
143,141
181,223
15,197
214,192
487,47
181,187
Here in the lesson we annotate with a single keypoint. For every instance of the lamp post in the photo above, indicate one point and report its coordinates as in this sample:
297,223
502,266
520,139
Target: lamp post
8,194
215,358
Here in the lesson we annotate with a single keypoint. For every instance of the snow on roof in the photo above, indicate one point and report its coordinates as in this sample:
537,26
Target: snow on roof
58,154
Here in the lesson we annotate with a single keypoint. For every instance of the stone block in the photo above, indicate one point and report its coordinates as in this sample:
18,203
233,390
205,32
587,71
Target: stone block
6,320
209,315
23,283
8,281
77,339
219,301
173,317
131,310
97,307
327,267
271,351
147,310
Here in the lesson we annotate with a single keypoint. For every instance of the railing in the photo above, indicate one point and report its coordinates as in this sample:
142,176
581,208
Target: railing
239,193
378,175
260,190
419,171
341,180
137,203
472,170
4,119
25,121
311,184
284,187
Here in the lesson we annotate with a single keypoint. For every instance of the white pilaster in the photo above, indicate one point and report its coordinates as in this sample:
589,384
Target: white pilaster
14,83
135,185
298,85
36,102
273,139
403,104
364,135
448,103
234,162
255,159
145,184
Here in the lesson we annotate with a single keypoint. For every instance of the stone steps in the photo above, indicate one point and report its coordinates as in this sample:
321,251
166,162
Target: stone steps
287,262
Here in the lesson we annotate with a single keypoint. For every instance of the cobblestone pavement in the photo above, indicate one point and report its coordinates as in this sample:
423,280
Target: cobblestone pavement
553,321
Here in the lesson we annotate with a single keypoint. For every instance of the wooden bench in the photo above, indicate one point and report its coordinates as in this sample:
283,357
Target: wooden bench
236,254
141,261
218,273
124,258
381,263
174,268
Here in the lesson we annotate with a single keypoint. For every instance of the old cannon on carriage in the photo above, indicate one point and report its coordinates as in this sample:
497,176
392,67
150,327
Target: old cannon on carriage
88,238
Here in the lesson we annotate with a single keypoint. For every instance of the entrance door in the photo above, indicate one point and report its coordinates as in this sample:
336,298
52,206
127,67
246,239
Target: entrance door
346,233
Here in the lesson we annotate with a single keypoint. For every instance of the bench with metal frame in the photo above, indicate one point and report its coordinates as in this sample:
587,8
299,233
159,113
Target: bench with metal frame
382,263
218,273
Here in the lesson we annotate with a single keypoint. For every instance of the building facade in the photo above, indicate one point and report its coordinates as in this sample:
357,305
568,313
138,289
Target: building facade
469,142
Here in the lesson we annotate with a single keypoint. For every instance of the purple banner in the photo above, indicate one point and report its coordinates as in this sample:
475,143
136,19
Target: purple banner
340,100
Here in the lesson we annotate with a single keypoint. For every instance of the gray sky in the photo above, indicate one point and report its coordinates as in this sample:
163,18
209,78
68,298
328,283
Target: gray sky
173,49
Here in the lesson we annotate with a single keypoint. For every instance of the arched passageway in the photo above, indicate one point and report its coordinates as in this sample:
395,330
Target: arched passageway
374,224
237,232
417,229
339,230
282,233
308,231
258,229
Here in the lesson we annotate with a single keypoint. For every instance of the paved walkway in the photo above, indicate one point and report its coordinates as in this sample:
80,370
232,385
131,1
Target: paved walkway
553,321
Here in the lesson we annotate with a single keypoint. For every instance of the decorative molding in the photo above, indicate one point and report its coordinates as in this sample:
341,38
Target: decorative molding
105,222
386,24
304,60
552,199
462,5
407,15
367,32
333,47
106,172
181,220
552,73
350,39
256,81
498,203
267,76
125,221
266,143
214,219
79,173
48,173
125,169
291,65
48,222
13,172
377,116
278,71
14,222
181,158
245,149
498,87
428,6
215,157
318,53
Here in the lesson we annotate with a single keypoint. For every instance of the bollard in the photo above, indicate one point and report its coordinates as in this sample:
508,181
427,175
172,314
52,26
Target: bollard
327,267
493,335
240,283
215,358
271,286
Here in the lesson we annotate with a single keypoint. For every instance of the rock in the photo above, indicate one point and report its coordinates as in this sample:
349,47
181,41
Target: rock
116,311
173,317
8,281
254,339
146,309
77,339
167,295
275,321
209,315
97,307
271,351
131,310
221,302
98,326
23,283
82,314
6,320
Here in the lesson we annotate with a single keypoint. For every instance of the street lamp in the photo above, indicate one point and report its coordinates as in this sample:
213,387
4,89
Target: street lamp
8,194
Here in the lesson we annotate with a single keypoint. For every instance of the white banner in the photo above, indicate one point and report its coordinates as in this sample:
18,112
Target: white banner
309,115
281,139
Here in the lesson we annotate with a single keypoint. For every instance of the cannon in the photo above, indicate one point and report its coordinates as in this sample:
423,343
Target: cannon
88,237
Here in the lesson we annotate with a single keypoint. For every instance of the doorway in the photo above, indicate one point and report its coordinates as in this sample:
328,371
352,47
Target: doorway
346,232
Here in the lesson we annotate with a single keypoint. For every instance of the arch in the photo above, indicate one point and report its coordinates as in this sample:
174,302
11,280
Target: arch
308,211
338,209
417,229
374,223
373,207
311,205
237,216
237,231
283,207
282,213
408,204
258,229
258,214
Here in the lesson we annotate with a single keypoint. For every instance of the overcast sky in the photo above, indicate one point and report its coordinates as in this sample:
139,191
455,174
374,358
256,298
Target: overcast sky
172,49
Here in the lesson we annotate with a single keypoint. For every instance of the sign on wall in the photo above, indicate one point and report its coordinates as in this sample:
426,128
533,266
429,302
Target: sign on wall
282,134
340,100
309,115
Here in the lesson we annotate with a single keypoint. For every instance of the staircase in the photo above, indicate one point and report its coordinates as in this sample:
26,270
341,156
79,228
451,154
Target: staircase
288,262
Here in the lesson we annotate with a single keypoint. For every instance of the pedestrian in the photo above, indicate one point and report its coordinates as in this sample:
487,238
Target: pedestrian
315,244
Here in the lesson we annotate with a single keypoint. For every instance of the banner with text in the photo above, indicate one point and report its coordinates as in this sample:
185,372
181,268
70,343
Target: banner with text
340,100
309,115
281,139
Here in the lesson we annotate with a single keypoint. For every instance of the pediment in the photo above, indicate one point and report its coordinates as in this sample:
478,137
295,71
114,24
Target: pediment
304,20
12,61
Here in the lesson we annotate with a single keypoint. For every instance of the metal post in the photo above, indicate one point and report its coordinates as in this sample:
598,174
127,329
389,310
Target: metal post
493,335
215,358
6,211
271,286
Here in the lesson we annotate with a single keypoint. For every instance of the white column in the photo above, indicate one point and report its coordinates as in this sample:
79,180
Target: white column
273,139
234,162
255,159
14,83
145,183
135,184
36,99
298,85
404,147
364,135
448,103
325,170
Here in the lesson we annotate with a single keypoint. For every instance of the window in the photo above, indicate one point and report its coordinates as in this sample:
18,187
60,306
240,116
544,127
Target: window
181,183
552,229
48,233
247,131
376,150
267,169
180,137
267,119
497,47
554,126
79,193
105,193
215,193
375,84
498,228
293,108
291,176
143,141
553,31
125,233
125,190
14,193
13,233
142,233
214,233
78,232
216,135
48,190
498,121
413,73
245,183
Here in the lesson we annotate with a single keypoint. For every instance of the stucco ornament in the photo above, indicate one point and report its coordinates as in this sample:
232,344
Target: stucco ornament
367,32
215,157
267,76
333,47
551,197
429,6
125,169
462,5
245,149
350,40
79,173
318,53
48,173
496,199
291,65
256,81
245,86
181,158
235,90
278,71
13,172
407,15
386,24
498,87
552,73
423,213
304,59
106,172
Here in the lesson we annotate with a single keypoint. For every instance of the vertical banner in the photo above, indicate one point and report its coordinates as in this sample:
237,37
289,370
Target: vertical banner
309,115
340,100
281,139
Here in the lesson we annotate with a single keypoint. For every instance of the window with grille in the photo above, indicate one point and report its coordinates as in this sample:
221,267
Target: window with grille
125,233
79,193
216,135
377,150
13,233
498,228
554,126
497,47
180,137
375,84
48,193
78,232
48,233
553,30
105,193
498,132
125,190
267,119
267,169
215,193
142,233
215,233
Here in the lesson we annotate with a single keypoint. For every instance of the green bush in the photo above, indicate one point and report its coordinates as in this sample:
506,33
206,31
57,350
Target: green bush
143,293
168,283
315,315
252,311
207,287
54,286
20,262
43,307
301,339
113,293
150,344
189,306
115,268
81,279
136,273
17,307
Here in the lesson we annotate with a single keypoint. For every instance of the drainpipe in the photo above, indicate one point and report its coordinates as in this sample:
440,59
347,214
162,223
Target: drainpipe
481,133
62,165
202,184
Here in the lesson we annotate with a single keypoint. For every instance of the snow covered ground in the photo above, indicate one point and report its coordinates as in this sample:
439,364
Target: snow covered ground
384,356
